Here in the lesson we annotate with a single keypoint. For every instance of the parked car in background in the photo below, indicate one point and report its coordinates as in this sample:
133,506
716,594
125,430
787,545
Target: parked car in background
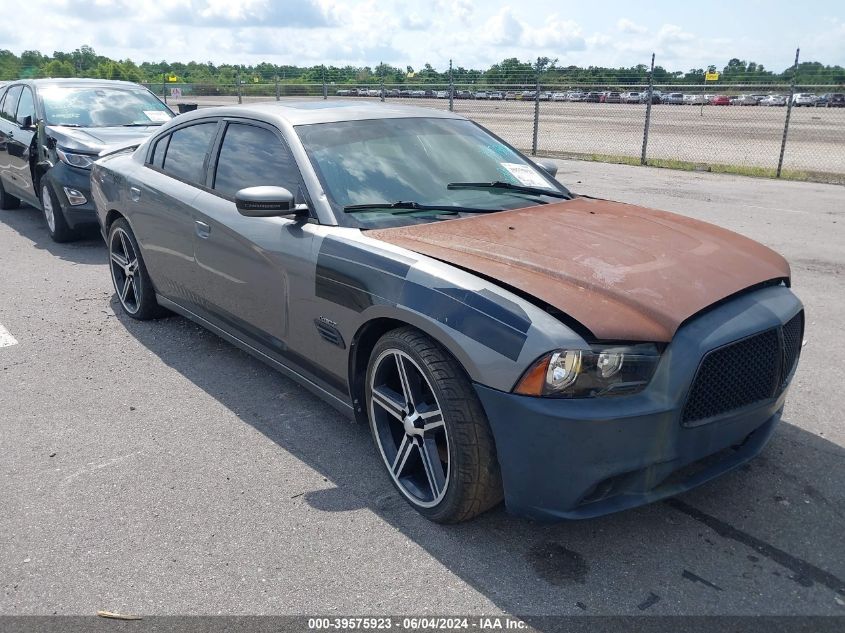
496,96
463,94
613,97
721,100
343,92
466,324
593,97
656,97
510,95
441,94
805,99
674,98
630,97
559,96
835,100
695,100
575,96
744,100
52,131
481,94
773,100
529,95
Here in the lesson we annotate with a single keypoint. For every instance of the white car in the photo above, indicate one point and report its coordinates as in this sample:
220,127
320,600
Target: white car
805,99
773,100
695,100
442,94
373,93
631,97
498,96
559,96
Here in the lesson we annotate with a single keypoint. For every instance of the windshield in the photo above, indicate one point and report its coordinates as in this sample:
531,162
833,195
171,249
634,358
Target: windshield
99,106
385,161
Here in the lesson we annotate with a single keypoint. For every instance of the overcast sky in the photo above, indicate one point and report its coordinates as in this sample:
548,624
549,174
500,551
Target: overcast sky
475,33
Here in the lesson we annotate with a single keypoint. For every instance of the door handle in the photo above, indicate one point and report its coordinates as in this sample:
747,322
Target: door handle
11,134
135,194
203,230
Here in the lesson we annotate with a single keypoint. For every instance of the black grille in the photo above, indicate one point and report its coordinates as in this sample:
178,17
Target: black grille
734,376
793,333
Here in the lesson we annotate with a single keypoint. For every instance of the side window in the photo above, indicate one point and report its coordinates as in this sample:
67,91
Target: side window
157,158
10,103
26,106
252,156
186,151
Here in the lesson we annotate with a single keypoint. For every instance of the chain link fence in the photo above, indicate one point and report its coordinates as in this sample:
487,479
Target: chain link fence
768,129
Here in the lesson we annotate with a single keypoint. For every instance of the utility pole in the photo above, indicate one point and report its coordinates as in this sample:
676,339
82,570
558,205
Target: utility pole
451,88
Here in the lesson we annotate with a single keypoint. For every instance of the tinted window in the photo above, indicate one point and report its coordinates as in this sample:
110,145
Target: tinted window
26,106
187,149
252,156
158,151
10,103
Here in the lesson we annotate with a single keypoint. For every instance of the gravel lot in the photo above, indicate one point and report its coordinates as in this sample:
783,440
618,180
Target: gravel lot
732,135
153,468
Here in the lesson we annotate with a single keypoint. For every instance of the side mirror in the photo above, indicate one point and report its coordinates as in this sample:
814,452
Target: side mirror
548,166
268,202
26,124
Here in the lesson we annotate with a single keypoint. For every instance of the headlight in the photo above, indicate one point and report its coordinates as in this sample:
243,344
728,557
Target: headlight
600,371
83,161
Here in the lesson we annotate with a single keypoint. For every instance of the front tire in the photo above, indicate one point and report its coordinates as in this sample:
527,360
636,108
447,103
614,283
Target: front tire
430,428
57,226
132,283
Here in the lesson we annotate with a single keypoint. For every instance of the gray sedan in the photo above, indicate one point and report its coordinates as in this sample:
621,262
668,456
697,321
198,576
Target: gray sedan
502,337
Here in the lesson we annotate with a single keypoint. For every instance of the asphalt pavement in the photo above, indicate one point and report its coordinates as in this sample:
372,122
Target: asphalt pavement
153,468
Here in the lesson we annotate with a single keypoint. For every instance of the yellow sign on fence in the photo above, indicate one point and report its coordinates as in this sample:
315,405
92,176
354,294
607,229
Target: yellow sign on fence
711,77
172,78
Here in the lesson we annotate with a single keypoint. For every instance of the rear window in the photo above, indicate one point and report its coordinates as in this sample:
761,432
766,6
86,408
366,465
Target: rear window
187,151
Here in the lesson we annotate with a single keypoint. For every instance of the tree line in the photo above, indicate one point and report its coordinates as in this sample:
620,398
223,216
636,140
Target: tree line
85,62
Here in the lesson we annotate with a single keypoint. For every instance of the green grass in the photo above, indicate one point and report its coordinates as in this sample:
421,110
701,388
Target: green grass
717,168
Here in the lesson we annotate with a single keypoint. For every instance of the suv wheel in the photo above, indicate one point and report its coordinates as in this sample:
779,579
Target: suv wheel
53,215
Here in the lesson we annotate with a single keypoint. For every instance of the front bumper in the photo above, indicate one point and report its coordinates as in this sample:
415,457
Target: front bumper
61,176
582,458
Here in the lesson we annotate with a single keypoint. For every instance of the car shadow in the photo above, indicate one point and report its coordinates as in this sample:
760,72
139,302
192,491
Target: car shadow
735,545
29,222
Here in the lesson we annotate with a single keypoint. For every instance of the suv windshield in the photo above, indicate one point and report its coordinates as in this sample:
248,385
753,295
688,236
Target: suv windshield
101,106
414,160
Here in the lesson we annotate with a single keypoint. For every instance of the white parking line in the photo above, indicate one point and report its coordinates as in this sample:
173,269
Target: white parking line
6,339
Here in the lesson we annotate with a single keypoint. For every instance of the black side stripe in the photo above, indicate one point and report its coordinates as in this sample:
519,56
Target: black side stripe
358,277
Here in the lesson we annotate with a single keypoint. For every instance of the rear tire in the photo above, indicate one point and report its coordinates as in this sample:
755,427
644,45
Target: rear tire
132,283
57,226
436,444
7,200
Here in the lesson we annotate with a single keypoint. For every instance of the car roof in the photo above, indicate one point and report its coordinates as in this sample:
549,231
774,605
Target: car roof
77,81
321,111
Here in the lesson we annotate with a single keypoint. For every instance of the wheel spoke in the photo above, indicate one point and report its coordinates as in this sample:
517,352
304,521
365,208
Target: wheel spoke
388,403
432,419
402,454
119,260
406,385
127,281
124,245
432,466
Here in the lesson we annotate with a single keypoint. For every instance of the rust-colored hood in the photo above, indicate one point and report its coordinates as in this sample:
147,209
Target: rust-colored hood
624,272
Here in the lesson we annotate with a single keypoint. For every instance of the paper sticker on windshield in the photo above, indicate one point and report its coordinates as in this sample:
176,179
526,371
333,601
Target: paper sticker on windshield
526,175
157,115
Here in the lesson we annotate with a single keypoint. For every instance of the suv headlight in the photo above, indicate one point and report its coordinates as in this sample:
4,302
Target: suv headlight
82,161
608,370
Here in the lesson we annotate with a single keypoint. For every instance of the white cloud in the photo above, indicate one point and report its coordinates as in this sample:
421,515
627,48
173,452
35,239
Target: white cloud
503,28
562,35
624,25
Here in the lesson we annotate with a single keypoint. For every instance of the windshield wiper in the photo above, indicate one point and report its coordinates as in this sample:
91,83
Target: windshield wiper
410,207
509,186
150,124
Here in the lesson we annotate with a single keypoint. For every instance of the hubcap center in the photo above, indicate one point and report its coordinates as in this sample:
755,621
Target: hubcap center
413,424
